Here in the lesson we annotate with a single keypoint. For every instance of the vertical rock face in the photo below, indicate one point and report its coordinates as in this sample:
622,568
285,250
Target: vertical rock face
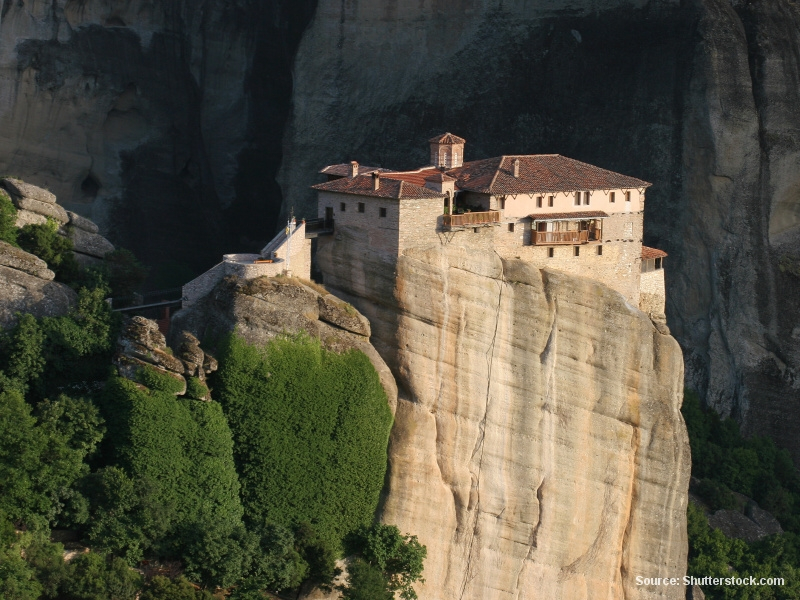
159,120
699,97
538,449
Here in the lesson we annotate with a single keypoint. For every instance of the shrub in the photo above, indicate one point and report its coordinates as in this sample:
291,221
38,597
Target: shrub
162,588
93,576
218,554
8,219
123,271
54,249
365,582
310,428
400,559
183,451
159,381
716,494
196,389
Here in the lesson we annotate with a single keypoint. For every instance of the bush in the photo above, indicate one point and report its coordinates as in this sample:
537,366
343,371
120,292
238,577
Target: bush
196,389
159,381
162,588
365,582
182,452
93,576
716,494
54,249
8,219
218,554
310,428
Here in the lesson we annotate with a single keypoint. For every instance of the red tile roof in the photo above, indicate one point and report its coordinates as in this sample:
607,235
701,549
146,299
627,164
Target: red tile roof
343,170
538,173
585,214
418,177
447,138
649,253
389,188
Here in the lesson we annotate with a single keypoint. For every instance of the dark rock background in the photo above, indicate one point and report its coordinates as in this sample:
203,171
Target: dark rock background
167,123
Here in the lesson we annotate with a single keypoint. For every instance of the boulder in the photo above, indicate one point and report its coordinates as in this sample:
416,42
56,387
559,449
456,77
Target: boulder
16,258
92,244
196,362
76,220
21,292
19,189
340,313
26,217
46,209
128,367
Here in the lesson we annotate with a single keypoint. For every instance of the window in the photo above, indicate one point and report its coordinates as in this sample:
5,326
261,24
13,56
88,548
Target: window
627,196
586,198
550,200
511,227
576,251
539,201
382,211
611,197
361,207
600,250
502,203
551,252
658,263
342,206
474,230
577,198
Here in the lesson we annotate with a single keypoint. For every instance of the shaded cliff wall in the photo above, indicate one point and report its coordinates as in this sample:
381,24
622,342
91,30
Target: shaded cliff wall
159,119
536,452
697,96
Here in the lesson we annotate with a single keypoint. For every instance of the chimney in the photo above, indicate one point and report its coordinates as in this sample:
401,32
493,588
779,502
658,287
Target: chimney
376,180
353,169
516,167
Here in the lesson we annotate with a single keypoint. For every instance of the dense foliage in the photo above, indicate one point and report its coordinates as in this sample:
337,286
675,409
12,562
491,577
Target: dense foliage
311,429
8,219
386,562
727,463
54,249
178,454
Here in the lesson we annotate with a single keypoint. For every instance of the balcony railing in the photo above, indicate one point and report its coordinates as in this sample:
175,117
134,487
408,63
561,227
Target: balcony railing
561,237
471,219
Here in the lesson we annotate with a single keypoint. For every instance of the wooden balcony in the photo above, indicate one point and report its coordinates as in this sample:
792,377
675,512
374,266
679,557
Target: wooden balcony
472,219
560,237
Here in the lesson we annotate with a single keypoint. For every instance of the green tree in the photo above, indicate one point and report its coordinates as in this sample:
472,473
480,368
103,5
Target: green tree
365,582
400,558
311,429
21,354
277,565
123,271
93,576
218,555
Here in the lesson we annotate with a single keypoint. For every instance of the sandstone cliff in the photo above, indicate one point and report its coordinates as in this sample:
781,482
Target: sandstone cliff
161,121
538,449
699,97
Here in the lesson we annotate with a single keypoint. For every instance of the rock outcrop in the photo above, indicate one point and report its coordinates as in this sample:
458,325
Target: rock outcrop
36,205
538,448
262,308
27,286
141,344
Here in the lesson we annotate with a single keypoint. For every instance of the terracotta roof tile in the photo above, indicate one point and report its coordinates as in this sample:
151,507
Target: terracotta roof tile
447,138
539,173
389,188
648,253
585,214
418,177
343,170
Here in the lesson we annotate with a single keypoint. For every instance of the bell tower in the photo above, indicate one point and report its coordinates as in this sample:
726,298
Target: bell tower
447,151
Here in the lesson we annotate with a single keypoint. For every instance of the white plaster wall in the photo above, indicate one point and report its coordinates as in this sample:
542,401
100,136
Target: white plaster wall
523,205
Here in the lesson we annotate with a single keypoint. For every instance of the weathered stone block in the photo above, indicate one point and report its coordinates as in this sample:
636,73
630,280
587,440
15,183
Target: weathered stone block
339,313
19,189
26,217
16,258
76,220
46,209
89,243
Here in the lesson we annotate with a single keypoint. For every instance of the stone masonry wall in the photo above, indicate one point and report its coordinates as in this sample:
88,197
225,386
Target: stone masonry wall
652,292
381,232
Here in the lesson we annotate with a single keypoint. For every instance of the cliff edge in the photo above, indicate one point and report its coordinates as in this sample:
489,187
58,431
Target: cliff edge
538,448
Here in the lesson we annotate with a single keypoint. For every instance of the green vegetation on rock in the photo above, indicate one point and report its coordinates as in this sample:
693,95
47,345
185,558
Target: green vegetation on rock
726,462
56,250
311,429
8,219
